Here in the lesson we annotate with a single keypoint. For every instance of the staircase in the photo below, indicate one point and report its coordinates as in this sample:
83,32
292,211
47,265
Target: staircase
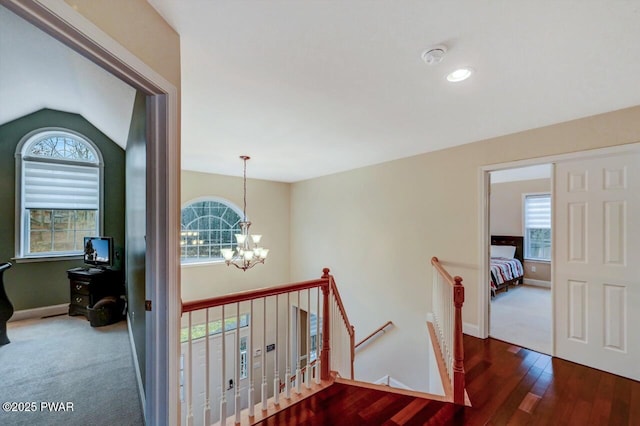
285,355
347,402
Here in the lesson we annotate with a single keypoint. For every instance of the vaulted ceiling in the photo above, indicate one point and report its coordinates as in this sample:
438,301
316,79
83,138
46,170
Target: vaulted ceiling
37,71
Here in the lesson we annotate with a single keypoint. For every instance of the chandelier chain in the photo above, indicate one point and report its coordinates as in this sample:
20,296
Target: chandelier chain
244,210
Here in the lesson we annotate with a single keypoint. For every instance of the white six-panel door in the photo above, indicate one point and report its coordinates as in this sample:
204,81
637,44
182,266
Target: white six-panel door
597,262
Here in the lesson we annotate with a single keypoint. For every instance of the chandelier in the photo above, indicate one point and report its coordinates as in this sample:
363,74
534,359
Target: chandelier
247,253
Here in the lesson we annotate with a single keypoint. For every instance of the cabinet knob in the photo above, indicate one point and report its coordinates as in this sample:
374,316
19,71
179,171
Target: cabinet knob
78,286
78,299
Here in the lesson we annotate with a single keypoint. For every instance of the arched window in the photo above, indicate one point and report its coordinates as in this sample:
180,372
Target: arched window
59,173
206,227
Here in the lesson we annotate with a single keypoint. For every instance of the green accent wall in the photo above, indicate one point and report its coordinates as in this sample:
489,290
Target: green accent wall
136,220
37,284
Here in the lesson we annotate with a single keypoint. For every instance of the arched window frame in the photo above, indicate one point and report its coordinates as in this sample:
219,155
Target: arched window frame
22,155
230,244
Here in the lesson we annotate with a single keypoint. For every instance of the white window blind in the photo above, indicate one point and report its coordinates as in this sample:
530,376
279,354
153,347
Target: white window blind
537,211
537,224
49,185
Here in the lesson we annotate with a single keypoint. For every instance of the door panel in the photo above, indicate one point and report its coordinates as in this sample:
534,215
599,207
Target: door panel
597,262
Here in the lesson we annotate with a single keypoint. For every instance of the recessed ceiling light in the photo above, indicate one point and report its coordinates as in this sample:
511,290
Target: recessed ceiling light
460,74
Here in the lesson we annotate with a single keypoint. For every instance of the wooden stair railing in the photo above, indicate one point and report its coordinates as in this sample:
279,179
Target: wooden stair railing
265,333
370,336
448,298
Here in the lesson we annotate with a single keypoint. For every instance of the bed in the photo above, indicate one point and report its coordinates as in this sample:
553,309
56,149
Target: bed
507,259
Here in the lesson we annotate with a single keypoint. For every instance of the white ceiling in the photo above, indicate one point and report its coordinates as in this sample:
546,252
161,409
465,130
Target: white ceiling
539,171
309,88
37,71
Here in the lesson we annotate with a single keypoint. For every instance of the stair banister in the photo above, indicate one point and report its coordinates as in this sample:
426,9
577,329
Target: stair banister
337,336
449,326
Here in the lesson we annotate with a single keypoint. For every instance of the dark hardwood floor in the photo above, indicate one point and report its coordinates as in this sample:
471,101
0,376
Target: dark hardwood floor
506,385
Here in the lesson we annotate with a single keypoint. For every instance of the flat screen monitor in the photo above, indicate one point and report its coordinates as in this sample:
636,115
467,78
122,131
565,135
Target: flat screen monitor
98,251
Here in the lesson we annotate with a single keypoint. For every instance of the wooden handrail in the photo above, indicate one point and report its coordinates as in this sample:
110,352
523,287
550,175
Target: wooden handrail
452,281
243,296
343,312
378,330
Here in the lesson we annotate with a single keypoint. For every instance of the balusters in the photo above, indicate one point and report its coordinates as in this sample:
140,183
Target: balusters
299,348
317,366
313,343
263,351
237,359
207,385
307,371
223,384
250,364
189,362
287,376
276,374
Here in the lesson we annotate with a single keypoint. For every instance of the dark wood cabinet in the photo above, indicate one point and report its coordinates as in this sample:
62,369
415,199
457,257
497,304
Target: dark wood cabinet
87,286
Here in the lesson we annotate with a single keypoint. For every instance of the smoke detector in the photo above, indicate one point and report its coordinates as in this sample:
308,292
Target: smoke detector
434,55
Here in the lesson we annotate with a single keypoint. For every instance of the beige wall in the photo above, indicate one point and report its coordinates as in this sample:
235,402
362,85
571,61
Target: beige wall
377,227
506,204
542,270
268,205
506,217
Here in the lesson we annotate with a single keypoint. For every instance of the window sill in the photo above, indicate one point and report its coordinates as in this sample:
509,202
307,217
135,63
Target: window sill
202,263
537,260
52,258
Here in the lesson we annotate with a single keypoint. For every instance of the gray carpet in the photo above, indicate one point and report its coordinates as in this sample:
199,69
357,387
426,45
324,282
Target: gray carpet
64,359
522,316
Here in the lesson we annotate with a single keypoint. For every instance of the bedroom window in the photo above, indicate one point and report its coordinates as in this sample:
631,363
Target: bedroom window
537,224
206,227
59,173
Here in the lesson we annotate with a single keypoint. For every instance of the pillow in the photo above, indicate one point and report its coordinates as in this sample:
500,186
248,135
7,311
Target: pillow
503,251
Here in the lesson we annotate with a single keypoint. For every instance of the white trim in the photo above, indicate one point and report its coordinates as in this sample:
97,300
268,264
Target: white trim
48,258
59,19
136,365
483,208
537,283
471,329
484,188
391,382
44,311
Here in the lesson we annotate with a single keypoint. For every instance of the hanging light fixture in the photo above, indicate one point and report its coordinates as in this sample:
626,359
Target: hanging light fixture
248,252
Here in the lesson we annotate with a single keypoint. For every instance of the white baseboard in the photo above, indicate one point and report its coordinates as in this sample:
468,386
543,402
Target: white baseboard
537,283
390,381
134,354
471,329
45,311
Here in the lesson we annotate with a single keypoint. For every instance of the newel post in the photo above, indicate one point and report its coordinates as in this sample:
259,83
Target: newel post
458,349
325,354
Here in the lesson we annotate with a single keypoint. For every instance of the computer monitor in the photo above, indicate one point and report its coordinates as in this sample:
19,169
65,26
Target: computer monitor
98,251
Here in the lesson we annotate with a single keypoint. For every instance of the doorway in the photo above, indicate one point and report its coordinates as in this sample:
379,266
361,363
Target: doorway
162,269
520,256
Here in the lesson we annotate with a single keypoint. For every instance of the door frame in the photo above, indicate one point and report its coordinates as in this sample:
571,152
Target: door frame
484,239
58,19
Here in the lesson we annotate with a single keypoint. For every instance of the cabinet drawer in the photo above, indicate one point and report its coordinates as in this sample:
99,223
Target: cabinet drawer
79,287
81,300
